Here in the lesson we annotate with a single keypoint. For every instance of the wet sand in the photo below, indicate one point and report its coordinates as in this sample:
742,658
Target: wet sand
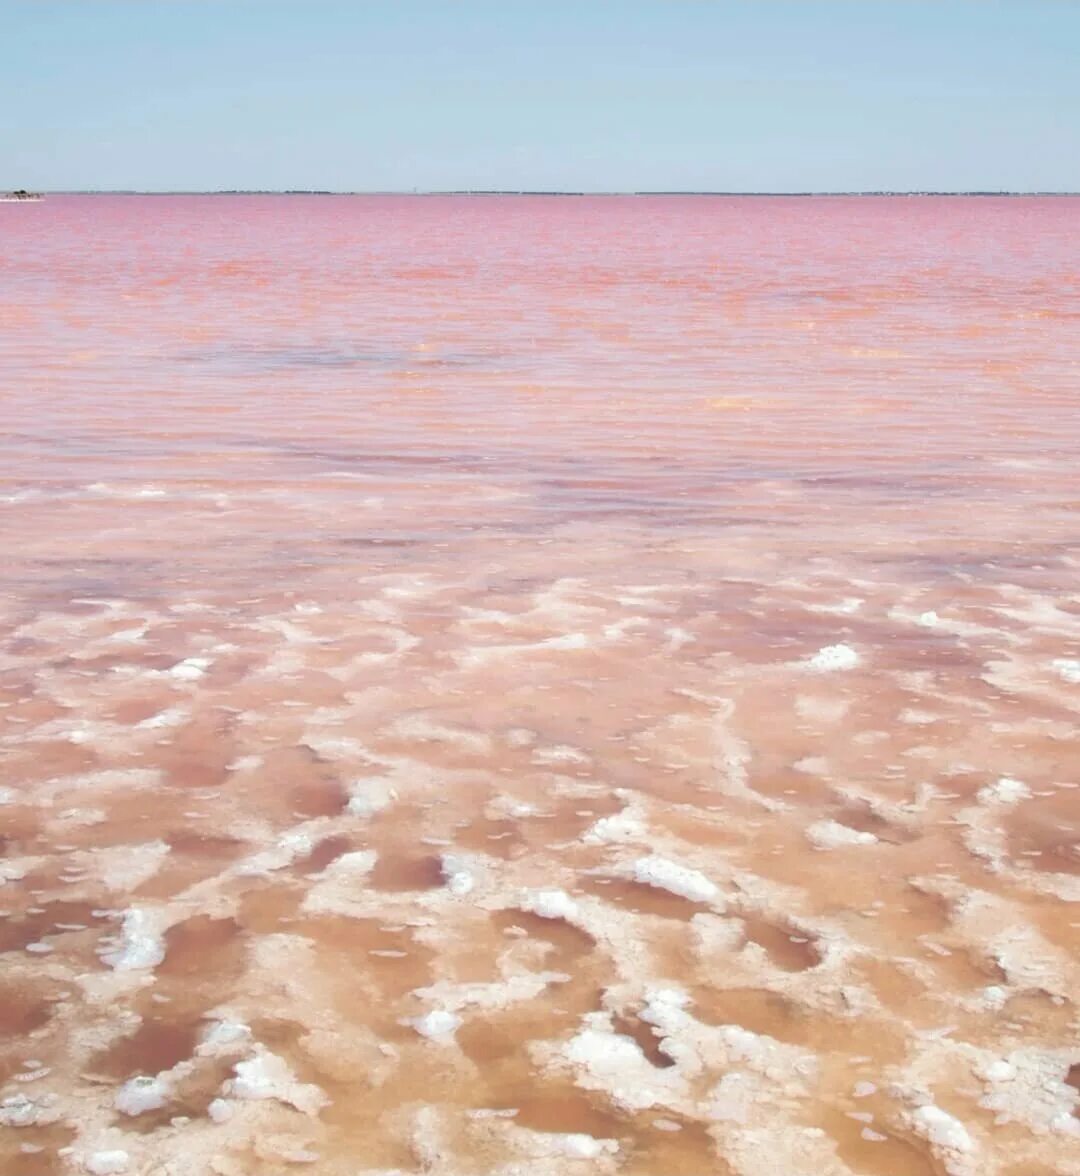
539,686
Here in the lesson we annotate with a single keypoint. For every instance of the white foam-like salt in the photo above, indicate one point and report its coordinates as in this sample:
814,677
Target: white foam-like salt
437,1025
142,1094
351,867
615,1063
942,1129
575,1145
1067,669
460,879
833,657
13,871
998,1070
244,763
844,607
191,669
622,826
1031,1086
266,1076
1004,791
173,716
128,866
994,996
290,845
140,944
223,1033
683,881
368,796
550,904
107,1163
829,834
666,1009
20,1110
560,754
733,1098
221,1110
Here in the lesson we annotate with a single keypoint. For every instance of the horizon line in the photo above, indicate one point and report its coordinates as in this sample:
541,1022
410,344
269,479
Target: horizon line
545,192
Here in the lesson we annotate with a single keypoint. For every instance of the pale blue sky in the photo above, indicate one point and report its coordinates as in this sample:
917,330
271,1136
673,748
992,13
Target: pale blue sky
774,95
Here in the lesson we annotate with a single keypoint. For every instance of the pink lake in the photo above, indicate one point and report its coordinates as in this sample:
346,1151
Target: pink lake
540,686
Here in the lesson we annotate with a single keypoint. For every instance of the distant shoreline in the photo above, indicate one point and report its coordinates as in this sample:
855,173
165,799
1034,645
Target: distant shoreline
513,192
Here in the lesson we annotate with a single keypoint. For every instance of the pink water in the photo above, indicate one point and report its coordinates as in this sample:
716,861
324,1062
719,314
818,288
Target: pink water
642,632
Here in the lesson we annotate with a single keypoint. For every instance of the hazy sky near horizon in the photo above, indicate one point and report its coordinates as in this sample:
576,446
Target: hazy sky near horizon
778,95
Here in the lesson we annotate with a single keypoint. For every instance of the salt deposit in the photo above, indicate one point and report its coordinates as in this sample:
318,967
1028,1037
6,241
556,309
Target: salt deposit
942,1129
834,657
833,835
1004,791
265,1075
140,945
191,669
677,879
107,1163
142,1094
550,904
437,1025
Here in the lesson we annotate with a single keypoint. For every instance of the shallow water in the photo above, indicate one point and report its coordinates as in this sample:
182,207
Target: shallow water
644,629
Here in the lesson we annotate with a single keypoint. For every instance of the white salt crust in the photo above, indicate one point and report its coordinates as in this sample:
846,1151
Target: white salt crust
107,1163
622,826
942,1129
676,879
265,1075
550,904
832,835
191,669
1004,791
741,1086
833,657
142,1094
140,945
459,874
437,1025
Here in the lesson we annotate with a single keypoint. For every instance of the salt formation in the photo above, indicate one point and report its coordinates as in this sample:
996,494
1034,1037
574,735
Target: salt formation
437,1025
264,1075
1004,791
626,825
833,835
613,1063
834,657
142,1094
139,945
1068,669
459,874
550,904
191,669
107,1163
676,879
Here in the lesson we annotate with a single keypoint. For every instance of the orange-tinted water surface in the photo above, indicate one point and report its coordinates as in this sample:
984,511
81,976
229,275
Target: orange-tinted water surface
539,686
